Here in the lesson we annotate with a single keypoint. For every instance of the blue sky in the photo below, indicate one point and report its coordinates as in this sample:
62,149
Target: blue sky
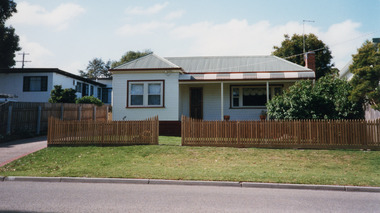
67,34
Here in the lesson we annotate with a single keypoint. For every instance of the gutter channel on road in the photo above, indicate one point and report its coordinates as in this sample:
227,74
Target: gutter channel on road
193,183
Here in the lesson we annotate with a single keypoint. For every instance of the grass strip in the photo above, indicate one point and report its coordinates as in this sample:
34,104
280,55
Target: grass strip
169,160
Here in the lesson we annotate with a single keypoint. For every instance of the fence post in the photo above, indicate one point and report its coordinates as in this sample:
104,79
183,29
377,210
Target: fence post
62,108
9,121
237,133
94,113
107,113
182,129
39,120
79,113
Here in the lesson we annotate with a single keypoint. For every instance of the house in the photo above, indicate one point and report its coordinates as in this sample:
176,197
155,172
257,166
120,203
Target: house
369,113
35,84
345,73
201,87
106,95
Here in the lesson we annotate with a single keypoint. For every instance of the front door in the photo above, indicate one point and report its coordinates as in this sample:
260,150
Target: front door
196,102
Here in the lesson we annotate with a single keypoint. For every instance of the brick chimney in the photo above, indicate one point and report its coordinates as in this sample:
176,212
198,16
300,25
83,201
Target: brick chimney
310,60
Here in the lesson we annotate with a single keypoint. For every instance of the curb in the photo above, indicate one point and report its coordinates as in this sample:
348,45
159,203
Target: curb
193,183
294,186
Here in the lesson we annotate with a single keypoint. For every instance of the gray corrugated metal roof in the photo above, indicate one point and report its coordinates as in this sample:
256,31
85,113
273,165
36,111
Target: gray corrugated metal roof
215,64
235,64
150,61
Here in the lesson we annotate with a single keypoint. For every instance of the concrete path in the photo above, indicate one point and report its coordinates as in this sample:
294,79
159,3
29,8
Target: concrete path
16,149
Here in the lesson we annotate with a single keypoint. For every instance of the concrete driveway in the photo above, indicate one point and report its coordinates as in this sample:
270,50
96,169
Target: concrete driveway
16,149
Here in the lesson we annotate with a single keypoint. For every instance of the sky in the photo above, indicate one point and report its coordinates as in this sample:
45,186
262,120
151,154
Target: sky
67,34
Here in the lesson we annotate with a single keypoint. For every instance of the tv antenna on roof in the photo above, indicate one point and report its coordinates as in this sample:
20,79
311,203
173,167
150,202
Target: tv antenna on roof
23,58
303,33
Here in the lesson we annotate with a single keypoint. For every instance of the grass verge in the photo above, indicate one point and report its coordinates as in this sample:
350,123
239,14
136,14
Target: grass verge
171,161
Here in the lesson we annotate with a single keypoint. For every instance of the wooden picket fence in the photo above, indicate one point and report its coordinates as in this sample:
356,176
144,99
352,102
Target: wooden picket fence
103,133
32,117
316,134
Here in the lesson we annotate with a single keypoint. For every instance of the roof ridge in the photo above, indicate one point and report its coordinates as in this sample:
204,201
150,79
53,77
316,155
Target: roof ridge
222,56
164,60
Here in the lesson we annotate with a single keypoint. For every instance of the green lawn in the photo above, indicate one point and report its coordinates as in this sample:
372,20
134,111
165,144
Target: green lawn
171,161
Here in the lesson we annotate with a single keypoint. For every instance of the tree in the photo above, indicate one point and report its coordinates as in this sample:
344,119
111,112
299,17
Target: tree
129,56
8,39
59,95
97,68
294,47
89,100
366,69
327,99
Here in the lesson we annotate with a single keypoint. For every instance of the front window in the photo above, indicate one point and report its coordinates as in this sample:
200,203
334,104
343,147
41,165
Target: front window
251,96
145,94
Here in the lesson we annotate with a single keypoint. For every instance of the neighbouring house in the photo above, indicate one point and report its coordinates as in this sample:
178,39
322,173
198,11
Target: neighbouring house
35,84
345,73
209,88
106,93
369,112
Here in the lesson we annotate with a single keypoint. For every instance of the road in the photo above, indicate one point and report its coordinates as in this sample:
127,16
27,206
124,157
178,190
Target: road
97,197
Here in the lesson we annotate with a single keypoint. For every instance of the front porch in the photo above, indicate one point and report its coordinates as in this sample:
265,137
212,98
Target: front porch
241,100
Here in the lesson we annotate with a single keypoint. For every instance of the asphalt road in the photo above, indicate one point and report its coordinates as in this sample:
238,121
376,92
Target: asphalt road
98,197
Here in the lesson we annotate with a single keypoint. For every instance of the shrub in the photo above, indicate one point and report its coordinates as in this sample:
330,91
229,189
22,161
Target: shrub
59,95
89,100
327,99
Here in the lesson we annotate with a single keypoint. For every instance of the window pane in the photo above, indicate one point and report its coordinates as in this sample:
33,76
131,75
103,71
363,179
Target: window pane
137,99
235,92
254,96
137,89
154,100
35,84
277,91
235,102
154,89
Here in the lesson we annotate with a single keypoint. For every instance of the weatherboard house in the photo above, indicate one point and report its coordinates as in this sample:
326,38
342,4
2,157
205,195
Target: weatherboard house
208,88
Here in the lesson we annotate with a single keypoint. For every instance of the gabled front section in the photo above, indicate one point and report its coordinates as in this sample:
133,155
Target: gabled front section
146,87
209,88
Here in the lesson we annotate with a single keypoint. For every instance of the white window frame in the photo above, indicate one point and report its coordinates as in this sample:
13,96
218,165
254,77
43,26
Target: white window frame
145,93
271,92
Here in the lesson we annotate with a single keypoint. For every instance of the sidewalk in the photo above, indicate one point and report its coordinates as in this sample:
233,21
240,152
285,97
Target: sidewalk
16,149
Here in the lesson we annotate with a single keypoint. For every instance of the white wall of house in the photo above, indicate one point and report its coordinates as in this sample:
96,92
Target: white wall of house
211,102
12,83
119,98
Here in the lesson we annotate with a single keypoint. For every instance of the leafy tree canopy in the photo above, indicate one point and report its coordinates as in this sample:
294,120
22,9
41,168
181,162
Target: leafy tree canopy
96,68
9,41
7,7
327,99
59,95
129,56
366,69
294,46
89,100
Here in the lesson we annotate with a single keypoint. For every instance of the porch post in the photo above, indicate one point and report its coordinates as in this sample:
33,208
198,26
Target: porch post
267,91
267,96
221,102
